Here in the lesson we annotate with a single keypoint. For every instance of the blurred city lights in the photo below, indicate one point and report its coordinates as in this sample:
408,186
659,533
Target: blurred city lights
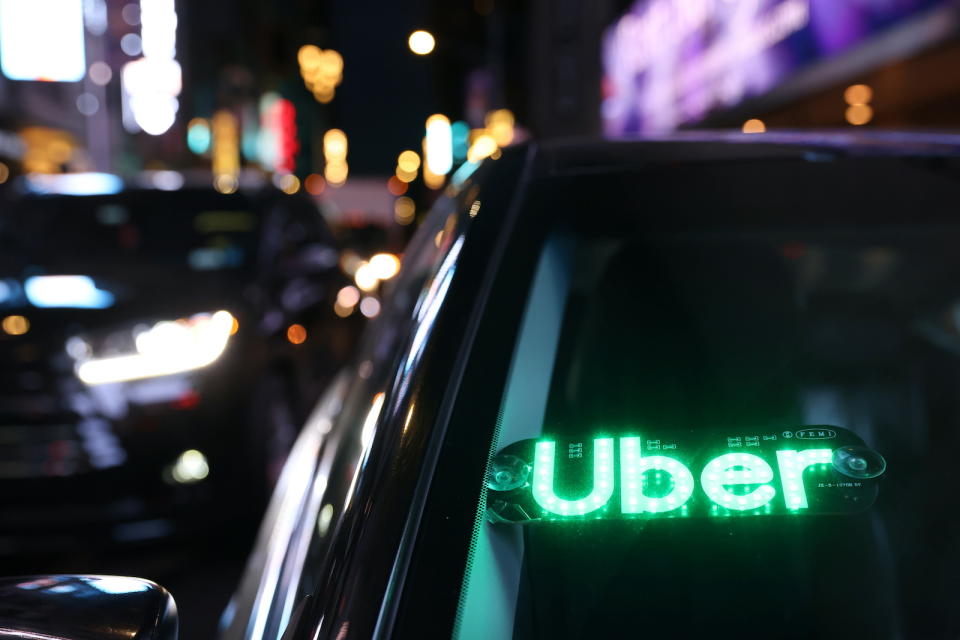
151,86
165,180
15,325
335,144
4,172
474,208
421,42
131,45
754,125
314,184
296,334
226,183
278,144
396,186
385,265
483,146
347,299
348,296
42,40
131,14
158,28
460,137
500,126
76,292
198,136
168,347
226,151
366,277
47,150
341,310
75,184
250,118
87,104
191,466
152,83
95,16
859,114
100,73
404,210
370,307
405,176
408,160
407,164
431,179
858,94
289,183
321,70
438,147
858,97
335,155
336,174
461,175
78,348
350,262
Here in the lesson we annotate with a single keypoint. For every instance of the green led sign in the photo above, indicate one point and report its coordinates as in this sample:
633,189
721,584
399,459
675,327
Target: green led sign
823,470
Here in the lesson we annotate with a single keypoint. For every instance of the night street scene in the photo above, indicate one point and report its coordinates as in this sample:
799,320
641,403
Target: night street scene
479,319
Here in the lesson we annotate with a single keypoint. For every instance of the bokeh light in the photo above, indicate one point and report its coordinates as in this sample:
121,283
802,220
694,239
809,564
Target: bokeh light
859,114
15,325
296,334
404,210
421,42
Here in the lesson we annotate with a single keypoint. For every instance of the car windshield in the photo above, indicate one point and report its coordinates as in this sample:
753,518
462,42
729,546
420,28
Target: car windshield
737,429
179,230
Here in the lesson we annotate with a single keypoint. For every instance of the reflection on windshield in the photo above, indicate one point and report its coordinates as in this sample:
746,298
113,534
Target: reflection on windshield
666,386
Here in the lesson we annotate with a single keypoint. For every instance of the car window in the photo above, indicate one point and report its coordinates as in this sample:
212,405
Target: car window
426,264
325,467
710,428
181,231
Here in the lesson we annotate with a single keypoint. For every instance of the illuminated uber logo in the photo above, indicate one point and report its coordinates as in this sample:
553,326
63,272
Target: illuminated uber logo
693,473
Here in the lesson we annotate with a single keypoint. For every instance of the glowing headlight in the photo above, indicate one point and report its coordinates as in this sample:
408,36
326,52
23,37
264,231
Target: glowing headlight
166,348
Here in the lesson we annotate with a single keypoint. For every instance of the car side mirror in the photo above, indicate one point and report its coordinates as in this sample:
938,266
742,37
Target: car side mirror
80,607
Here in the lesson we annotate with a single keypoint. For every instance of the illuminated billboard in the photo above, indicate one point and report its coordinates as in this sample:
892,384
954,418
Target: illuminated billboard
668,63
42,40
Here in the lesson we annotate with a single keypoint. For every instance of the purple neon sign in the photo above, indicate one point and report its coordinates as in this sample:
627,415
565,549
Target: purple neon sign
671,62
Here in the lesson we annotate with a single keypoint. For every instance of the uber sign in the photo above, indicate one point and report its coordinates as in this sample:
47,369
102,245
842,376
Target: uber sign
683,474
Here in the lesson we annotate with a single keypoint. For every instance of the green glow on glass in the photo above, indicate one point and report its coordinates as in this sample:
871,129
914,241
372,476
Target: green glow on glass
738,469
792,464
632,467
543,480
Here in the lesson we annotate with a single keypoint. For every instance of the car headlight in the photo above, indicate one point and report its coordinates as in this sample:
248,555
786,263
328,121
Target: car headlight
166,348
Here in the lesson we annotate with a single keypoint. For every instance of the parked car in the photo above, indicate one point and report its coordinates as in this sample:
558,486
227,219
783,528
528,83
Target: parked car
644,388
159,352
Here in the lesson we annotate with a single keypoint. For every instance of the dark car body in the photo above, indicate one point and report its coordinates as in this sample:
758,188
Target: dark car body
379,515
92,465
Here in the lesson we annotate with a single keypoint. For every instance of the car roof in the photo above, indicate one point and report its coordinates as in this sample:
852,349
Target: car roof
592,155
